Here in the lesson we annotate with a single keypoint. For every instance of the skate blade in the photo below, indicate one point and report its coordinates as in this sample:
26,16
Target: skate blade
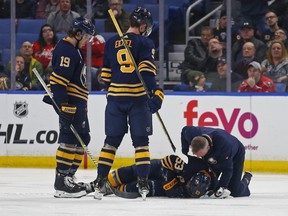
98,195
63,194
144,194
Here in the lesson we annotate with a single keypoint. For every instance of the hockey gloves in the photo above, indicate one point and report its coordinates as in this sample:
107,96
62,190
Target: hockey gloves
155,102
67,112
221,193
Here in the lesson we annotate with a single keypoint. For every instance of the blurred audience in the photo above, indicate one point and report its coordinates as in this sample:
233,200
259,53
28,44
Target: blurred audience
254,13
281,34
276,64
247,34
24,9
218,80
272,22
44,46
215,51
97,49
196,51
248,52
26,52
45,7
256,82
23,79
62,19
122,17
194,81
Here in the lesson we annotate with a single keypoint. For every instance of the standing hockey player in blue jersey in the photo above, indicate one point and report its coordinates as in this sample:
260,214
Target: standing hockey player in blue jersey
127,102
68,85
225,154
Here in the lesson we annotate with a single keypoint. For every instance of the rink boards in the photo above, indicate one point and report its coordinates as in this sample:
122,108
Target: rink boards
29,127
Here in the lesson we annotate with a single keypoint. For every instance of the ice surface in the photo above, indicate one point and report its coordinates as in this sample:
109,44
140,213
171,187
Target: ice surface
30,192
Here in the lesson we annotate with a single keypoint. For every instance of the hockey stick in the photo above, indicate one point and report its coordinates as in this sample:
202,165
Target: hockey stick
58,109
126,195
138,74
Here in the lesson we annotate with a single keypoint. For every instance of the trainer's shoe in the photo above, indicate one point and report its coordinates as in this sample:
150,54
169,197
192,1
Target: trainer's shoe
99,186
66,188
247,177
143,186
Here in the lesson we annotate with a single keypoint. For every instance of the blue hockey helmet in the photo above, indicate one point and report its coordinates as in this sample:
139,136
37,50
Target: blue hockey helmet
84,25
198,185
142,15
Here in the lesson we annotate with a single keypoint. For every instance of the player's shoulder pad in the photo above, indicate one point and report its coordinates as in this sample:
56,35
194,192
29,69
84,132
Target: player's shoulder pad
169,161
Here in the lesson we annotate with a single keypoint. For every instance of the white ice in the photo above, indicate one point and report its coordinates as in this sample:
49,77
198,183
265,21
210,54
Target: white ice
30,192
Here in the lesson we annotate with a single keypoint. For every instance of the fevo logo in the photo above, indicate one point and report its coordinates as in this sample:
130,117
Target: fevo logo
212,119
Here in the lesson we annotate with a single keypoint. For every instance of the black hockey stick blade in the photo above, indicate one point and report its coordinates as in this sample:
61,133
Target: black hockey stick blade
123,194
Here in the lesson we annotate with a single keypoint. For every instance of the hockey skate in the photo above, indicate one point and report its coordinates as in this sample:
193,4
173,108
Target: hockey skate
66,188
99,186
247,177
143,187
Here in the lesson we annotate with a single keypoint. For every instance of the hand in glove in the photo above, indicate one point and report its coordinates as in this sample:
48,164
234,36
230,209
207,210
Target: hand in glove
221,193
67,112
155,102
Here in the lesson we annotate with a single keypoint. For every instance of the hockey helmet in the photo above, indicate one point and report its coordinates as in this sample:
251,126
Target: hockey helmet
198,185
142,15
84,25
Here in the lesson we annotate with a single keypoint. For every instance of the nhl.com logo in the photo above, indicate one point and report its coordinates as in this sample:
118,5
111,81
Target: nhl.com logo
20,109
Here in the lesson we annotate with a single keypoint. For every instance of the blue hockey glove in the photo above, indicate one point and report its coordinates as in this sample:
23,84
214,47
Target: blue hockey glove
67,112
155,102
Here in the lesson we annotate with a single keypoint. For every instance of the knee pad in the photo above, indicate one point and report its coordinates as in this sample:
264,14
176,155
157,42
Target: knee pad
113,141
140,141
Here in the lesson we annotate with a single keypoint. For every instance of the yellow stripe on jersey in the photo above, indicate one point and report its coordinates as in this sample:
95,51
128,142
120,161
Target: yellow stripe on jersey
58,79
170,184
167,163
147,66
130,90
74,90
106,74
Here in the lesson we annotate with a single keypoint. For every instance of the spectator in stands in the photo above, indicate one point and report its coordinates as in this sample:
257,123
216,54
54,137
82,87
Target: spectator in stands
281,34
24,9
44,46
247,34
122,17
220,31
272,22
4,79
219,80
280,7
276,64
62,19
45,7
101,8
80,6
97,49
215,51
23,80
26,51
256,82
248,52
254,13
194,81
196,51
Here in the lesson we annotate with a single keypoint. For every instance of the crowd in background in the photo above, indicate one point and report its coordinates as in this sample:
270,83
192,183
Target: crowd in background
259,35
